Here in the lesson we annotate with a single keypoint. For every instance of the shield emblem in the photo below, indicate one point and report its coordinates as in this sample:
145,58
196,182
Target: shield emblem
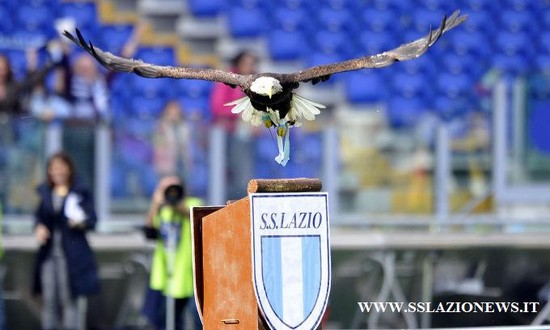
291,258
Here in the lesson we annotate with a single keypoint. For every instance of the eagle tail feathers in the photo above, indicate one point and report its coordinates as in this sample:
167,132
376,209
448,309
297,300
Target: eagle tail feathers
304,108
239,105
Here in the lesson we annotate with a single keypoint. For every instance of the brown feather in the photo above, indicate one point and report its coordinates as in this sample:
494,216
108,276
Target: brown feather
117,63
404,52
315,74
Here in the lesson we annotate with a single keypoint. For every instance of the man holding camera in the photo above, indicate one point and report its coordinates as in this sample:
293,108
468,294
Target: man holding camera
172,265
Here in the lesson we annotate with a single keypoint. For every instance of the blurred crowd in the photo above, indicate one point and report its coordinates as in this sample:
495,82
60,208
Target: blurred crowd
65,95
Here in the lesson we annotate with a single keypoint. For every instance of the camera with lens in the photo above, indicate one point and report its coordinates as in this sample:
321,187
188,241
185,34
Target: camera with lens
173,194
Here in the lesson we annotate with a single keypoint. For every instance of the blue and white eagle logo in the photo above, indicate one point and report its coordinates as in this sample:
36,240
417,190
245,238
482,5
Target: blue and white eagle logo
291,258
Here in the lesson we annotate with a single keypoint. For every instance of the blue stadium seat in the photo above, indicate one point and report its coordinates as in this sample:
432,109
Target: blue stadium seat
206,8
516,21
152,88
545,19
118,180
466,43
29,39
199,154
315,58
372,42
458,64
305,156
84,13
365,87
480,22
157,55
335,20
34,18
511,43
297,169
247,4
120,109
266,169
197,180
337,4
539,83
115,36
424,20
511,64
454,85
328,42
147,107
292,19
379,20
36,3
542,62
193,88
265,145
196,108
544,42
310,147
6,23
397,6
452,107
439,5
478,5
286,46
294,4
537,124
425,65
522,5
245,22
405,112
121,84
18,62
407,85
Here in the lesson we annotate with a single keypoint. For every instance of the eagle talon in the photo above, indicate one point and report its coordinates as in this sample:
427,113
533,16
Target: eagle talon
281,131
268,123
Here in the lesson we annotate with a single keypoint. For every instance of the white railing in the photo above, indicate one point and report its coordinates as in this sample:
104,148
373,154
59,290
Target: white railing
443,215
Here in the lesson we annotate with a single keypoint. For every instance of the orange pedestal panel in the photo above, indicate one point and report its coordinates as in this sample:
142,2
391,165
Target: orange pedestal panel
223,273
222,249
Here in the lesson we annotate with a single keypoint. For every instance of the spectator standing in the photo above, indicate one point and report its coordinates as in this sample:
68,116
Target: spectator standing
49,107
65,270
239,156
12,94
171,140
87,90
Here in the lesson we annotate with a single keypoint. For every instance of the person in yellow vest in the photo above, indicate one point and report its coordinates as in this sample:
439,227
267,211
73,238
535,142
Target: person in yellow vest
172,264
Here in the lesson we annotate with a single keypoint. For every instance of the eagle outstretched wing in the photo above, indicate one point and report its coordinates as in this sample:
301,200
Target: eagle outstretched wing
117,63
404,52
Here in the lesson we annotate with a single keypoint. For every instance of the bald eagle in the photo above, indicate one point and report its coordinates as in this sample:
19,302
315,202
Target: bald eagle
270,98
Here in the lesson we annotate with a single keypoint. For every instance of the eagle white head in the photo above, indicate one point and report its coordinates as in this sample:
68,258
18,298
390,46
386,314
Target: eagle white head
266,86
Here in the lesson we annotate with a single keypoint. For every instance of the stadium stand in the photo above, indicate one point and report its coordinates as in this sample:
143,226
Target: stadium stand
309,32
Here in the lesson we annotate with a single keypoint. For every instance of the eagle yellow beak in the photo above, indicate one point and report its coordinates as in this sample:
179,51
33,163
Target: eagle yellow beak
270,93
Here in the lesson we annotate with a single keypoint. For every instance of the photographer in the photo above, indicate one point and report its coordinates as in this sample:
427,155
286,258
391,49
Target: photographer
172,265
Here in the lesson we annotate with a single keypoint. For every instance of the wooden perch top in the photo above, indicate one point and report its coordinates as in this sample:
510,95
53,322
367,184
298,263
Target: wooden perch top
284,185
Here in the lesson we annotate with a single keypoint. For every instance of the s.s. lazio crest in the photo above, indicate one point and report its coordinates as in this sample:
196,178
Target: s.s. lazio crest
291,258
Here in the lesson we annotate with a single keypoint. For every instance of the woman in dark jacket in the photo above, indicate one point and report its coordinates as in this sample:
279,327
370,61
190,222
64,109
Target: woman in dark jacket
65,265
